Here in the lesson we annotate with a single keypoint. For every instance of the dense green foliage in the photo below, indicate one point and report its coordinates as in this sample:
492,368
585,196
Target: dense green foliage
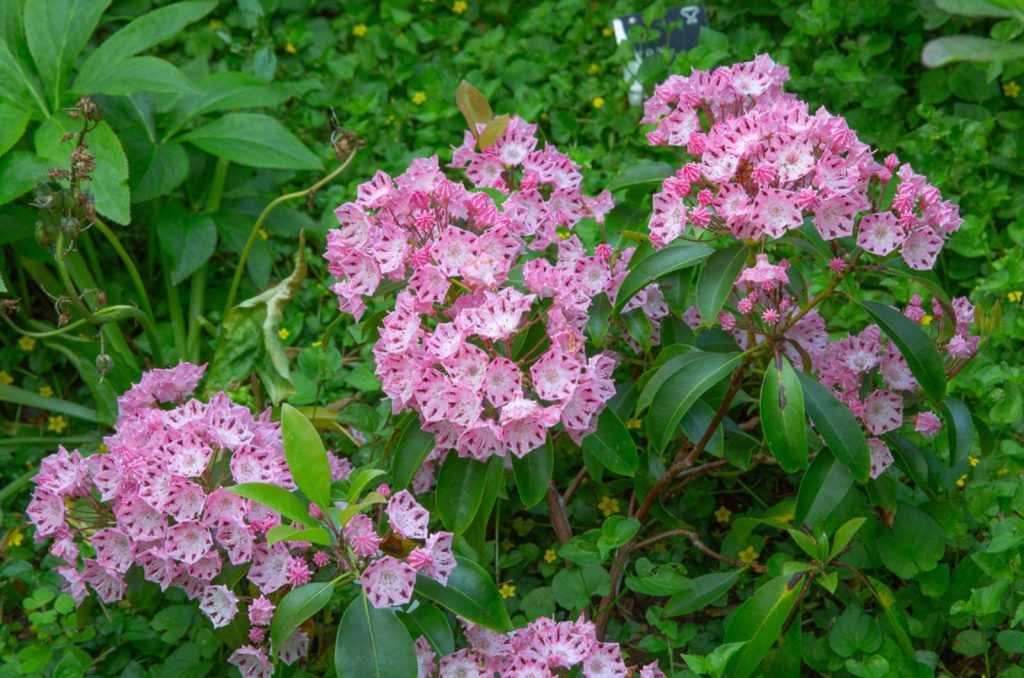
247,102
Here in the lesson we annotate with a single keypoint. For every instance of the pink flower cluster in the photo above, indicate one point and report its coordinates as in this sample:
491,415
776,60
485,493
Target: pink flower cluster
460,346
762,163
540,650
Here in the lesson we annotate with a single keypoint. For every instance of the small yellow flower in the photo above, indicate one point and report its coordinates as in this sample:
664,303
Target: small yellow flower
5,378
359,30
974,460
748,555
290,48
46,391
507,591
214,24
961,481
606,32
1015,296
608,506
27,344
263,233
550,556
15,537
507,544
926,320
634,423
283,333
598,102
460,6
1011,89
722,514
419,97
318,343
56,424
593,69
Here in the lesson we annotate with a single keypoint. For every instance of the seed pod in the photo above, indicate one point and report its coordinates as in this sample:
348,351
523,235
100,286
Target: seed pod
104,363
71,227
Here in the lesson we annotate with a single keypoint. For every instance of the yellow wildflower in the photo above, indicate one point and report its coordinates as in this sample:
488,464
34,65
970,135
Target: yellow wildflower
550,556
660,547
961,481
507,544
1011,89
1015,296
634,423
593,69
598,102
214,24
419,97
27,344
974,460
507,591
608,506
748,555
5,378
283,333
290,48
359,30
460,6
606,32
56,424
926,320
15,537
318,343
722,514
46,391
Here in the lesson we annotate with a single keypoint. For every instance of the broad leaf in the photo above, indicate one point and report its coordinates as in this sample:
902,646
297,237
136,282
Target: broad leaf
277,498
533,474
254,140
716,280
645,174
916,347
460,489
470,593
17,76
493,131
706,589
952,48
430,623
894,615
13,121
313,535
224,92
612,445
824,485
156,169
19,173
783,419
296,607
473,105
837,426
306,456
359,479
914,544
372,643
758,622
56,31
22,396
643,272
413,446
671,359
959,429
186,238
137,74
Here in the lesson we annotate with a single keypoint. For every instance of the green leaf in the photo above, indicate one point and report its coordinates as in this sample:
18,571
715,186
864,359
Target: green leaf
977,8
916,347
575,587
109,182
493,131
13,121
612,445
645,174
845,534
959,429
716,281
895,616
413,446
186,238
19,173
460,489
358,481
823,486
306,456
429,622
470,593
296,607
278,499
532,473
643,271
56,31
837,425
156,169
667,364
21,396
224,92
17,76
758,622
681,390
915,543
473,105
314,535
706,589
254,140
783,419
372,643
137,74
952,48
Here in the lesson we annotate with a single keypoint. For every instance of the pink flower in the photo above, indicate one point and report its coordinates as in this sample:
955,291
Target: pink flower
927,424
252,662
294,647
555,375
388,582
879,233
219,604
362,539
881,457
407,517
776,211
921,248
298,572
883,412
261,611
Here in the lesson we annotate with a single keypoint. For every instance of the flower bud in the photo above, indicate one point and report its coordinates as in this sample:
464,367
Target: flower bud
104,363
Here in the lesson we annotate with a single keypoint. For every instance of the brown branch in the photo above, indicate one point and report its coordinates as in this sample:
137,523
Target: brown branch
574,485
701,546
559,521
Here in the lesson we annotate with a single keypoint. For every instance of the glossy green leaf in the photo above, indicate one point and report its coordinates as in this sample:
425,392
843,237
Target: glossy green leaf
706,589
358,481
18,83
412,447
953,48
20,171
916,347
470,593
306,456
297,606
254,140
844,535
783,418
959,429
278,499
842,433
372,643
681,390
460,489
56,32
663,370
674,257
532,474
645,174
313,535
759,621
823,487
430,623
716,280
612,445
